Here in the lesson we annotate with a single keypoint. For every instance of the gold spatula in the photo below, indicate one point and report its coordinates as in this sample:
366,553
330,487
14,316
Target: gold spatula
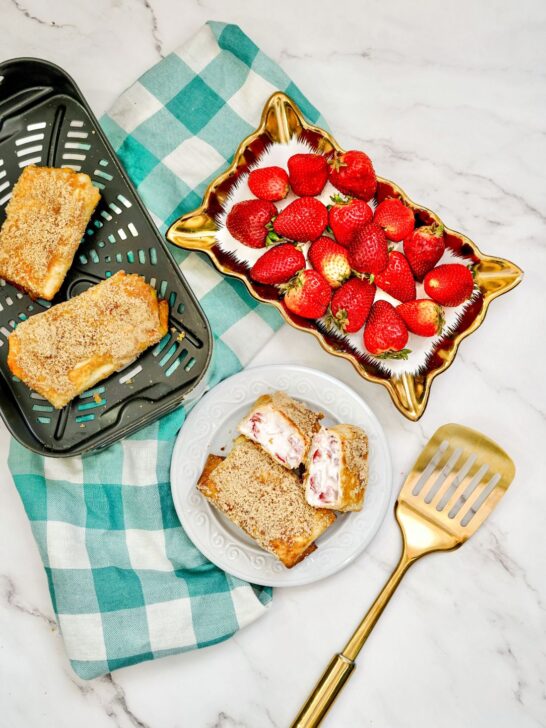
456,482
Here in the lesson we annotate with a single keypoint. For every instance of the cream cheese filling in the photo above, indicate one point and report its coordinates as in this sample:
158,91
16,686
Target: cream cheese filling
323,473
275,433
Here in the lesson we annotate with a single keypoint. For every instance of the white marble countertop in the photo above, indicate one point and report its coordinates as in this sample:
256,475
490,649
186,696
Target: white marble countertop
448,98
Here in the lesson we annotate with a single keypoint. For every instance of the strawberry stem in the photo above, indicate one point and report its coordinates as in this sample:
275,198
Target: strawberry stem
338,199
342,319
294,282
272,239
367,277
337,161
435,229
402,354
330,319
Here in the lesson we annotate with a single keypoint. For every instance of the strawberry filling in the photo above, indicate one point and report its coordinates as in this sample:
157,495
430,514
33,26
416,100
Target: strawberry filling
276,435
322,483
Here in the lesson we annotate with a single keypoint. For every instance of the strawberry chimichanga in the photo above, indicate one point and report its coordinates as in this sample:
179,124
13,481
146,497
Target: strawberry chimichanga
70,347
282,426
337,468
45,220
264,499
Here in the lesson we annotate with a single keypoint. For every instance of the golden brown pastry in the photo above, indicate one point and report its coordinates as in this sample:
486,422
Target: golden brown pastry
70,347
282,426
264,499
337,468
45,220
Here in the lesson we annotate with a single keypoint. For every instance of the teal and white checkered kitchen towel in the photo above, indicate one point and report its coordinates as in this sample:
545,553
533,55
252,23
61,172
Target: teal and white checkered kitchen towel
126,583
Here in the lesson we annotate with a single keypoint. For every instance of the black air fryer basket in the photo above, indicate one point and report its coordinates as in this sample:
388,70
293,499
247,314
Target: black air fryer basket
44,120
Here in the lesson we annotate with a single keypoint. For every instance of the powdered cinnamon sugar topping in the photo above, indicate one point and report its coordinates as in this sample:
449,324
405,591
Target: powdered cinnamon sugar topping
110,323
45,220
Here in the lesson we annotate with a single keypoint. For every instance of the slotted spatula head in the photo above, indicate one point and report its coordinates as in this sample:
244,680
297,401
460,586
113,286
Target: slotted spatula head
456,482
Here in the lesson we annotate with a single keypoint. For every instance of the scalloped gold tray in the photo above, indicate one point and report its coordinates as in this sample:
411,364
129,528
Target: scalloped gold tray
281,120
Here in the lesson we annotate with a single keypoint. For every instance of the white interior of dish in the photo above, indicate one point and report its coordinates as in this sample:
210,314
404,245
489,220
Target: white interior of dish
421,348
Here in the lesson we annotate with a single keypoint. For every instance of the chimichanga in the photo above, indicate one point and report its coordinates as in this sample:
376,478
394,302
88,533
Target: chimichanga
337,468
282,426
45,220
265,500
70,347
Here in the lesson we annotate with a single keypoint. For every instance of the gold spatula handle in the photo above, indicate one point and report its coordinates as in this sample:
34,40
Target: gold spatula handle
338,671
334,678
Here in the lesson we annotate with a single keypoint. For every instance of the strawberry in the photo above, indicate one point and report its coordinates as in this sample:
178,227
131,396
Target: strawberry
278,264
347,215
386,335
424,248
397,279
352,173
331,260
450,284
308,174
269,183
369,252
422,316
247,221
302,220
307,294
396,219
351,305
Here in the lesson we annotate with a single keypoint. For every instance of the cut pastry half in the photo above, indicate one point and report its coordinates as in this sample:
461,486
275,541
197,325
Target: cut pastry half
337,468
282,426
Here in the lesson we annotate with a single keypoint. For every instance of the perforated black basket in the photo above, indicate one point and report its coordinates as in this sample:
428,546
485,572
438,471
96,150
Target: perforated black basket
44,120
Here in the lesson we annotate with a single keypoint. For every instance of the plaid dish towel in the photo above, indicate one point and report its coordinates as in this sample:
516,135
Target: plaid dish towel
127,584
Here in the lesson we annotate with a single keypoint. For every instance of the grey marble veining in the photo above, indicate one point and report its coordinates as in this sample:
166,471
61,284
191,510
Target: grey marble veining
448,99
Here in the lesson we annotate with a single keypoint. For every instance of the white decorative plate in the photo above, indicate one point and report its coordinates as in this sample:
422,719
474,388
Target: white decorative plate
211,428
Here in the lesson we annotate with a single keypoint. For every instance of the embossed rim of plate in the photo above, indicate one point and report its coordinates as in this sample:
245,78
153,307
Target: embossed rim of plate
341,544
282,119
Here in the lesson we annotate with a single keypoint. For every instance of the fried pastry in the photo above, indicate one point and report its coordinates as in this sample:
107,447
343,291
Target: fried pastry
282,426
337,468
70,347
45,220
264,499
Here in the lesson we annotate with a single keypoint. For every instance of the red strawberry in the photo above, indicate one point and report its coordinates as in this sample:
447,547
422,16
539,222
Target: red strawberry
386,335
369,252
307,294
308,174
247,222
396,219
346,216
424,248
422,316
351,304
278,264
352,173
331,260
450,284
302,220
397,279
269,183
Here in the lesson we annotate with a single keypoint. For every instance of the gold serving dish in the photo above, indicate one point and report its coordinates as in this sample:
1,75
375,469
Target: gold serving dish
282,120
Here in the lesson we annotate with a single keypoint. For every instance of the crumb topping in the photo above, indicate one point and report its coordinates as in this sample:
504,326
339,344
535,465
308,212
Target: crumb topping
265,499
45,221
355,450
305,419
111,322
